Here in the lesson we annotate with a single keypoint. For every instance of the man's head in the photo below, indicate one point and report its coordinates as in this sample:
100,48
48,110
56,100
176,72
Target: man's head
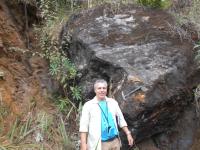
100,88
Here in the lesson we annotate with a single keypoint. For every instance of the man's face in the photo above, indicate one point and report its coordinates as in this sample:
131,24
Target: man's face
100,90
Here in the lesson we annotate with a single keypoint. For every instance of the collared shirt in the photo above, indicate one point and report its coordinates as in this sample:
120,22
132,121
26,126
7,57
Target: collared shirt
90,121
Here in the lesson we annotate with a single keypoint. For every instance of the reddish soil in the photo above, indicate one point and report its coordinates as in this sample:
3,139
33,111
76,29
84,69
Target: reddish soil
21,91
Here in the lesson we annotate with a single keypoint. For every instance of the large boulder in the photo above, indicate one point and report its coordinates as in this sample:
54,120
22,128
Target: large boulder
148,67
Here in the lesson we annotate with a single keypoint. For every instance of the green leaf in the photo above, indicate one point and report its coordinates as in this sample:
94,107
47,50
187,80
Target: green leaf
76,92
196,46
63,79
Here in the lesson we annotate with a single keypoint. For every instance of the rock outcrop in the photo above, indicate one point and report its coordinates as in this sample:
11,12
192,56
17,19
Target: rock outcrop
134,48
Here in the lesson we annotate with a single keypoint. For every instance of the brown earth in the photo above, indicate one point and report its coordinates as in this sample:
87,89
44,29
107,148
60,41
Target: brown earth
23,89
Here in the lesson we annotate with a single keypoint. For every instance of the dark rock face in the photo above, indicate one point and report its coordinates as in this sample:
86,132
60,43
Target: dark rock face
182,134
132,48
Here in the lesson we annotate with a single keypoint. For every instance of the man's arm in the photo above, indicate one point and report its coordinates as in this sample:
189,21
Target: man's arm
122,123
84,124
129,136
83,140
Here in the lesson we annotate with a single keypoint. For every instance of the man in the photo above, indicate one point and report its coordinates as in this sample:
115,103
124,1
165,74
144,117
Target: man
98,123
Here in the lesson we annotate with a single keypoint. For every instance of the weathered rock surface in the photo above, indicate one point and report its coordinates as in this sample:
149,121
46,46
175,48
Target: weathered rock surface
133,47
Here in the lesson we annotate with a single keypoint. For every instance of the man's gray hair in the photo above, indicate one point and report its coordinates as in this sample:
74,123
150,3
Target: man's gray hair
100,81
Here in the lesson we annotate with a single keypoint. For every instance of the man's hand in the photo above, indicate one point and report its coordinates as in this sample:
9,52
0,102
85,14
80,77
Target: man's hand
129,136
130,139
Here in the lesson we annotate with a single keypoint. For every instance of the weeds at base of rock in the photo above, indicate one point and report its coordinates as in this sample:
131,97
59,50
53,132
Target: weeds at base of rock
35,132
